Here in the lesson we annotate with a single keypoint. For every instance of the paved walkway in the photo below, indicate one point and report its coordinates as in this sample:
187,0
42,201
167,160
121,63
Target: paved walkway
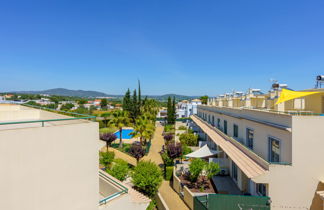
171,198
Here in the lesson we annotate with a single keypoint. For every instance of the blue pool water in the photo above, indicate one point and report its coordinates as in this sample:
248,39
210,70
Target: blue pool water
125,134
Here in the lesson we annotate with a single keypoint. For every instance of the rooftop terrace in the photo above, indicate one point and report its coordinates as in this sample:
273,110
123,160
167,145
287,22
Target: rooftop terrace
13,116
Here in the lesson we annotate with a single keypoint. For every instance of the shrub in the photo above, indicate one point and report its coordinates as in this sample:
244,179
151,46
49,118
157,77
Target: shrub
147,178
152,205
189,139
182,127
137,151
169,128
108,130
186,150
168,137
212,169
166,159
108,138
119,170
174,150
168,173
106,158
195,168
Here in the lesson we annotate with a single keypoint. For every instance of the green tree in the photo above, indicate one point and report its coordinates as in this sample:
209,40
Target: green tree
174,111
82,101
119,169
105,116
142,125
127,101
134,107
120,119
106,158
169,111
67,107
204,99
212,169
147,178
103,103
139,105
188,139
195,168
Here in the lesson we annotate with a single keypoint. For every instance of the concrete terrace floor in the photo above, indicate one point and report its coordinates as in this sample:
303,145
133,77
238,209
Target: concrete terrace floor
171,198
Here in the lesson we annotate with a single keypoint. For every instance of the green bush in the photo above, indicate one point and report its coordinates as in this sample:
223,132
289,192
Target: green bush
166,159
147,177
106,158
182,127
189,139
152,205
186,150
101,124
195,168
168,173
108,130
119,169
169,128
212,169
190,131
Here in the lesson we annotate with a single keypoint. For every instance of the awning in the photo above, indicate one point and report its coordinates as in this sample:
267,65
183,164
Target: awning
246,164
202,152
287,95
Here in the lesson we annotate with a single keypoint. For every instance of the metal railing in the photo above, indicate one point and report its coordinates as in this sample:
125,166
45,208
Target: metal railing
110,180
80,116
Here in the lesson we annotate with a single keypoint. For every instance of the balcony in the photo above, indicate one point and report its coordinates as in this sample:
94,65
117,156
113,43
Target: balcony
249,162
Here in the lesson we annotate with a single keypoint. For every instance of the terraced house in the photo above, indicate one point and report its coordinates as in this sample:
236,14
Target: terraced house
267,149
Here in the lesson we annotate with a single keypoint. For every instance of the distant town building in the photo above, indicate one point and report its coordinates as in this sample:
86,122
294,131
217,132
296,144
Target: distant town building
187,108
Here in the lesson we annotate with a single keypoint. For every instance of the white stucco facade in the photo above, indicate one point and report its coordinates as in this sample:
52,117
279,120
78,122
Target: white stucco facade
51,167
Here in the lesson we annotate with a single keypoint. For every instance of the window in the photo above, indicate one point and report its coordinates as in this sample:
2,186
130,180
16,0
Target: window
234,171
249,138
225,126
235,131
213,120
218,123
274,151
261,189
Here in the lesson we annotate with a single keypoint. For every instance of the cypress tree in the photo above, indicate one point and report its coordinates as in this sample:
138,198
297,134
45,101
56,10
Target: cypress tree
139,98
134,107
127,101
174,111
169,111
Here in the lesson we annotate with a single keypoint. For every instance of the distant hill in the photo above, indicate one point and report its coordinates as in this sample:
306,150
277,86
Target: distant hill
67,92
89,94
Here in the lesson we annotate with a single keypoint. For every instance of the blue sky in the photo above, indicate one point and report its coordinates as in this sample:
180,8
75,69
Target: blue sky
173,46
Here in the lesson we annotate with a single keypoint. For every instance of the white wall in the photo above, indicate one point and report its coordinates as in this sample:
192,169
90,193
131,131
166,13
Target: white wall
49,168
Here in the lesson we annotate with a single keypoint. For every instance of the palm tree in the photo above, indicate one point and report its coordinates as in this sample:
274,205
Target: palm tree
105,117
120,119
141,126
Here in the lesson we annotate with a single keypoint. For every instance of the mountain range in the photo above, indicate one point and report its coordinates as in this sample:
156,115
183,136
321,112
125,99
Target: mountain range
90,93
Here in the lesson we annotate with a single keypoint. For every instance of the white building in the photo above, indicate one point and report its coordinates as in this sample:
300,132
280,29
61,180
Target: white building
270,150
186,108
50,161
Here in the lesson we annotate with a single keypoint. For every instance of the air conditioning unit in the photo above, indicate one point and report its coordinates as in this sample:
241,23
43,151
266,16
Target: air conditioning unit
223,172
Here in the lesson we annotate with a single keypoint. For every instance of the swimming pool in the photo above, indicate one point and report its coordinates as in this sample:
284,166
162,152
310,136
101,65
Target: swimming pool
125,133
